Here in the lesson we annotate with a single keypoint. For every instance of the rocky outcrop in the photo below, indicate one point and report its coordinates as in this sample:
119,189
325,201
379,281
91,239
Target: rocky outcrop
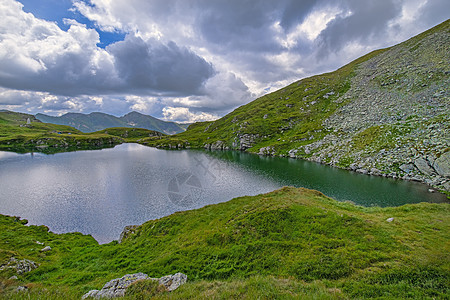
127,231
172,282
442,165
117,287
269,150
245,141
423,166
218,145
20,266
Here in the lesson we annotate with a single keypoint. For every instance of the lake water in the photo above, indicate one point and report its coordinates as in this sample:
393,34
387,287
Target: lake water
99,192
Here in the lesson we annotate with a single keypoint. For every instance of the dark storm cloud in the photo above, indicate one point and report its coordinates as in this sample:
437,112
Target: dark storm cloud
249,25
295,12
36,55
240,25
361,22
138,67
195,58
159,67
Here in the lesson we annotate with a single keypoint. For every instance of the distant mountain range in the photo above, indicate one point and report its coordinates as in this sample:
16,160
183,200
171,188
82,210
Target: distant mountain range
98,121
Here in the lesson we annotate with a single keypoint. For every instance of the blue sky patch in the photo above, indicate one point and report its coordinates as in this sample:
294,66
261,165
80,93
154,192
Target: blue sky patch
57,10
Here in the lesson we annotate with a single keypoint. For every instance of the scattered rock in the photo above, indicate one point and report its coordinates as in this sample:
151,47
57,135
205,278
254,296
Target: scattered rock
375,171
246,141
389,220
423,166
21,289
292,153
39,243
127,231
442,165
46,248
407,168
269,150
172,282
362,171
21,266
431,190
117,287
13,277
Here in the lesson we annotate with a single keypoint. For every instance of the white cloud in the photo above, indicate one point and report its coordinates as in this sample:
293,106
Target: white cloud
195,59
184,115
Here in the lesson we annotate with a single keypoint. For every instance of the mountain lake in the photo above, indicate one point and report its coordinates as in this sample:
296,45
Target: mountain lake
99,192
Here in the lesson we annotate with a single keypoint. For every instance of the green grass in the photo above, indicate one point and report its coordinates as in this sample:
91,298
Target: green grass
16,135
295,116
283,119
131,134
291,242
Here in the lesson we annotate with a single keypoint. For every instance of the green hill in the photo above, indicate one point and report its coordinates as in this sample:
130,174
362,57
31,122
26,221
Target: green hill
21,132
98,121
131,134
290,243
386,113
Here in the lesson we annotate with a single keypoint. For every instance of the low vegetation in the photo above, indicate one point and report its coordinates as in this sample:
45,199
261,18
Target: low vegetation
289,243
24,133
385,109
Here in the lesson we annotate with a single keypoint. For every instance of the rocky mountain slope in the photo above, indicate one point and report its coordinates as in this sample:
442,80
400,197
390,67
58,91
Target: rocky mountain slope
386,113
98,121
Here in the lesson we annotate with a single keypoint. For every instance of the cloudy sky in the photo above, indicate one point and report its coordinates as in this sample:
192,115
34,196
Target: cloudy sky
185,60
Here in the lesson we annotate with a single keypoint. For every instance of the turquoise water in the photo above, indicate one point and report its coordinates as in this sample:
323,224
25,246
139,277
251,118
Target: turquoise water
99,192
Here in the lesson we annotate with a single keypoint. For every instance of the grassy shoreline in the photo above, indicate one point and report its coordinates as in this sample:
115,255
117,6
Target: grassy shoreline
288,243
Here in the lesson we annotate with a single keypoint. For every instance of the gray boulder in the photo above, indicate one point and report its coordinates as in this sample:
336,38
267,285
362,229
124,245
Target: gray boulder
407,168
423,166
46,248
117,287
442,165
172,282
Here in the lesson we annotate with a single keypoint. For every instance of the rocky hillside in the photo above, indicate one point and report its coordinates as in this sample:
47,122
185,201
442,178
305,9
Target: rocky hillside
387,113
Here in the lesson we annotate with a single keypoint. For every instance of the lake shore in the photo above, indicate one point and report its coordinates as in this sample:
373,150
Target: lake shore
299,242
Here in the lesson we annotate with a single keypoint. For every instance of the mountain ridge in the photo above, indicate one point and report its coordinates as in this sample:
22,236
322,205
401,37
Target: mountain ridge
386,113
96,121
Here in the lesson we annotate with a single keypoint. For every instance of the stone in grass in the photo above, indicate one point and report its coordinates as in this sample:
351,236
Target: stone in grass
21,289
46,248
117,287
389,220
20,266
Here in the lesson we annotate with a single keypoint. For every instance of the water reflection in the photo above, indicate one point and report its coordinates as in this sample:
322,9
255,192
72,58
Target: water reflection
99,192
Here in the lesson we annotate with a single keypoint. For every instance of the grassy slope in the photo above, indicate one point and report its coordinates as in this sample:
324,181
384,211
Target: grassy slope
291,242
16,135
131,134
283,111
343,118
